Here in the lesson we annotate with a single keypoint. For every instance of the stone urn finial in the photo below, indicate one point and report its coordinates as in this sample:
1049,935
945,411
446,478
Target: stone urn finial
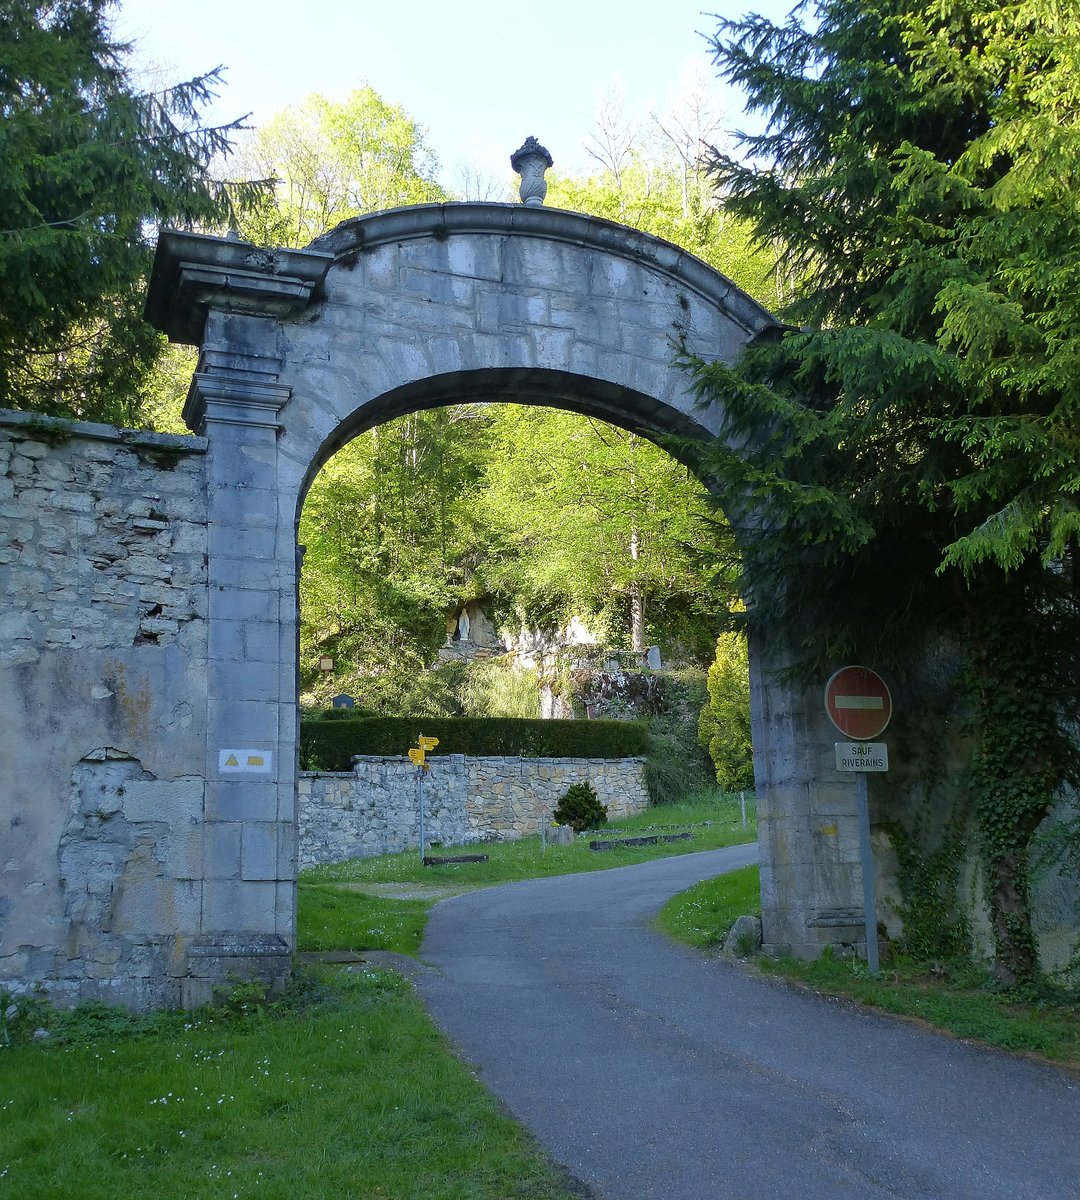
530,161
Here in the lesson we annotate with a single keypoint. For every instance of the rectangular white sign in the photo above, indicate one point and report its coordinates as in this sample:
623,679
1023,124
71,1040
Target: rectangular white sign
862,756
254,762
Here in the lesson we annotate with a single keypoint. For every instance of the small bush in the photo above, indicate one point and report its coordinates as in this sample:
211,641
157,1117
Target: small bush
580,808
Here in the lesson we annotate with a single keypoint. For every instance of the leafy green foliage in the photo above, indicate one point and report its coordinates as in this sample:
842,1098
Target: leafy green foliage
585,517
334,160
905,472
330,745
392,544
546,514
724,724
675,766
497,687
580,808
90,166
935,924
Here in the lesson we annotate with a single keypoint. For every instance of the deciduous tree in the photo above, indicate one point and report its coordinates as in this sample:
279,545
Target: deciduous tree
596,520
333,160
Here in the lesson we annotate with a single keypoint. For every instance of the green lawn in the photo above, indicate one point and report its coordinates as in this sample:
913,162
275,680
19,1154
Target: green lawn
334,918
334,913
347,1091
713,821
952,997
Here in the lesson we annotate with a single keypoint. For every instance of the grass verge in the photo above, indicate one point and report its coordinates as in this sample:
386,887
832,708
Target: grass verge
714,822
953,997
335,918
702,915
343,1089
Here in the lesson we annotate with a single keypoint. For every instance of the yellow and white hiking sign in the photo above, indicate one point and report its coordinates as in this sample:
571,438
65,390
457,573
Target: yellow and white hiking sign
255,762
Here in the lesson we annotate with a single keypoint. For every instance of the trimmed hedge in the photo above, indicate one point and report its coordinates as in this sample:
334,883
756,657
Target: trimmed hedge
329,745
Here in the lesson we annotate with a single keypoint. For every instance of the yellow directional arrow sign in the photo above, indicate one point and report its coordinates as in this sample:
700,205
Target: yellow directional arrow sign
428,743
417,756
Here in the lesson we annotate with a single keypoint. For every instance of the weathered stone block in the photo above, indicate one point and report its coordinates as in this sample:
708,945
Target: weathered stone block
178,802
184,856
259,858
243,906
241,799
221,850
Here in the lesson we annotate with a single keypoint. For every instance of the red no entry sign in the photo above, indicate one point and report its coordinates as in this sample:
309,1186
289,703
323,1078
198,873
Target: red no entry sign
858,702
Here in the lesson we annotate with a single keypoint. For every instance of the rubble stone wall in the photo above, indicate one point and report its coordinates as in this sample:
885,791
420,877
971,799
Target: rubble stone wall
374,809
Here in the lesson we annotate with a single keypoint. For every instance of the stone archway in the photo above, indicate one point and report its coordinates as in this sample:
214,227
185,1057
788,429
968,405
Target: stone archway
414,308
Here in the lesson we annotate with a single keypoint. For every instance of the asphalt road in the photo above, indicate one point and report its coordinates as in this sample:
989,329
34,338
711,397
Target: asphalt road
650,1070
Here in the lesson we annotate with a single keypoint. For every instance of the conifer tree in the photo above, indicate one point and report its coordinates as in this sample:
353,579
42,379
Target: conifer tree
88,166
910,445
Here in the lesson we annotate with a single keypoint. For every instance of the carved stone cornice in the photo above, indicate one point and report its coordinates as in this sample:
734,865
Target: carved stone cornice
194,273
232,389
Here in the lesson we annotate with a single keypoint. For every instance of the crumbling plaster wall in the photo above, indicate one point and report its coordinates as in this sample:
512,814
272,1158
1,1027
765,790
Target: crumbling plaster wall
103,693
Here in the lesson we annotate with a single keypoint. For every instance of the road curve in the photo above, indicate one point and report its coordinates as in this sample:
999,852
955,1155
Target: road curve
653,1071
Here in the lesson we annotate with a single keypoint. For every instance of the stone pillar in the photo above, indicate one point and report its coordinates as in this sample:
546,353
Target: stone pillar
811,877
248,901
229,297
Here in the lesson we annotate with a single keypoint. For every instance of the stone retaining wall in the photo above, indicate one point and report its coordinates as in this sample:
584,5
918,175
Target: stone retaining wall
374,808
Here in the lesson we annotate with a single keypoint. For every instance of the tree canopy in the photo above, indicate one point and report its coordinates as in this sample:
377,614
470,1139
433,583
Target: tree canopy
333,160
589,519
910,446
90,166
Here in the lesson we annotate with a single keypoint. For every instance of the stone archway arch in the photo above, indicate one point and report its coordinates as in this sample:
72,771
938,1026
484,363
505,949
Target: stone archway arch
543,387
414,308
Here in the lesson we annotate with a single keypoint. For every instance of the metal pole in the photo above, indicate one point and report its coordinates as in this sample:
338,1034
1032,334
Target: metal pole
866,854
420,781
742,807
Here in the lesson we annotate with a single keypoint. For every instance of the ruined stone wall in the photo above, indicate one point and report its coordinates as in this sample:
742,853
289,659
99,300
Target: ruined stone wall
103,695
374,809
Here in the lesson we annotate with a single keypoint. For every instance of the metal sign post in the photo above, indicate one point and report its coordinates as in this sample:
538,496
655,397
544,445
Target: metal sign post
859,704
418,756
420,784
867,856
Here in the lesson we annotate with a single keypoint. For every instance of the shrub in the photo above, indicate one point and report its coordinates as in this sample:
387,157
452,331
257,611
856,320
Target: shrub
580,808
330,745
724,727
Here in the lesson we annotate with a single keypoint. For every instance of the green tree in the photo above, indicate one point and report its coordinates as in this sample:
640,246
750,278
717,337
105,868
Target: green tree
90,166
332,161
724,725
591,519
393,544
654,179
910,452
